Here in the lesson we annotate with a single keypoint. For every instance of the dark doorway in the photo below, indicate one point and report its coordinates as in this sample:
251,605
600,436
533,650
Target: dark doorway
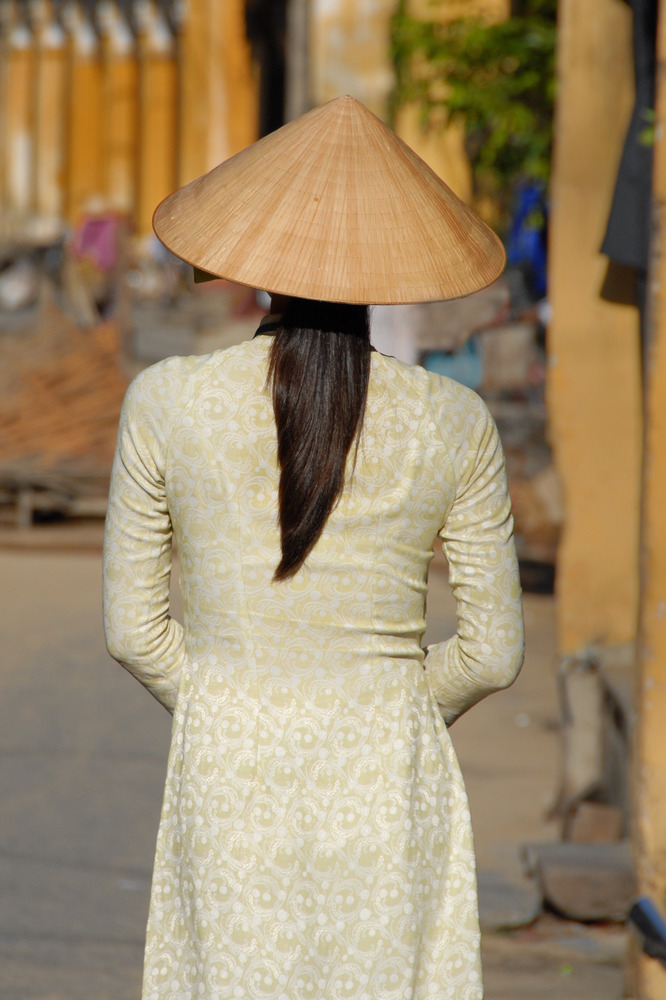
267,31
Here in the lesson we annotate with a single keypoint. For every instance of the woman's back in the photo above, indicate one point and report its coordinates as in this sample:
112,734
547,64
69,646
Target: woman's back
311,775
210,423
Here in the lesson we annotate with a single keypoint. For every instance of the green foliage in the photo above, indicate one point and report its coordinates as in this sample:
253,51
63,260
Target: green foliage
497,78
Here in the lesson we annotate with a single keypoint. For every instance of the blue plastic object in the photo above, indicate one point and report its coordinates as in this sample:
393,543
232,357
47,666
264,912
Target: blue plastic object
526,243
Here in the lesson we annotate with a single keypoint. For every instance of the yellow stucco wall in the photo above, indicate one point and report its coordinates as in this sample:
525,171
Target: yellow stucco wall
83,175
649,826
443,150
48,124
650,742
241,82
218,98
594,366
120,87
19,143
158,120
350,53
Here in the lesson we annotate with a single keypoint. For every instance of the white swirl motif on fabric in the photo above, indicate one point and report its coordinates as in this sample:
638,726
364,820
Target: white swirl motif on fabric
315,839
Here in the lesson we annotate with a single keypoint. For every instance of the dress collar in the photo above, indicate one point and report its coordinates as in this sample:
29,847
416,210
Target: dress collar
269,324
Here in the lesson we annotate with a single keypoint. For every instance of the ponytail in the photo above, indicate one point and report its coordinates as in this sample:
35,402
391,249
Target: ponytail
319,370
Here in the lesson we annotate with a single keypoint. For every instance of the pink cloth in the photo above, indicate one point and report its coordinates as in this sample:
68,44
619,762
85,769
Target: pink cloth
96,239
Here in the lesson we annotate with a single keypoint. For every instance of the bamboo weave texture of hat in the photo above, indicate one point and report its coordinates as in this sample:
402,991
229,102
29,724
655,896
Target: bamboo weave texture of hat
332,206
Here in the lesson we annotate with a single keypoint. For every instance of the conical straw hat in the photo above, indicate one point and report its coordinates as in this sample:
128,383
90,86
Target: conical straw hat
332,206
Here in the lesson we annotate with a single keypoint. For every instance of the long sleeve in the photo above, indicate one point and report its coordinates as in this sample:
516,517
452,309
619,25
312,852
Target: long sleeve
139,630
487,652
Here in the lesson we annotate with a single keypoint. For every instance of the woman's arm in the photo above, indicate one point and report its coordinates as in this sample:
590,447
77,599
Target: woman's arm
487,652
139,630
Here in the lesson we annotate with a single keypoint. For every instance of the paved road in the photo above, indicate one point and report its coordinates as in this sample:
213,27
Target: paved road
82,759
81,765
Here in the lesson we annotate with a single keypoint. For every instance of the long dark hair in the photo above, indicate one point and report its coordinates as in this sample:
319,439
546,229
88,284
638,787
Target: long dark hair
318,373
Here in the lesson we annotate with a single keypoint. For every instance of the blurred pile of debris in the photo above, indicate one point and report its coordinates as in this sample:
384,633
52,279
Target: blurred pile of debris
61,391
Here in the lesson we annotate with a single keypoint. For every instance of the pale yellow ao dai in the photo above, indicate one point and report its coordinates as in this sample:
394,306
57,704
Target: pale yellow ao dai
315,838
